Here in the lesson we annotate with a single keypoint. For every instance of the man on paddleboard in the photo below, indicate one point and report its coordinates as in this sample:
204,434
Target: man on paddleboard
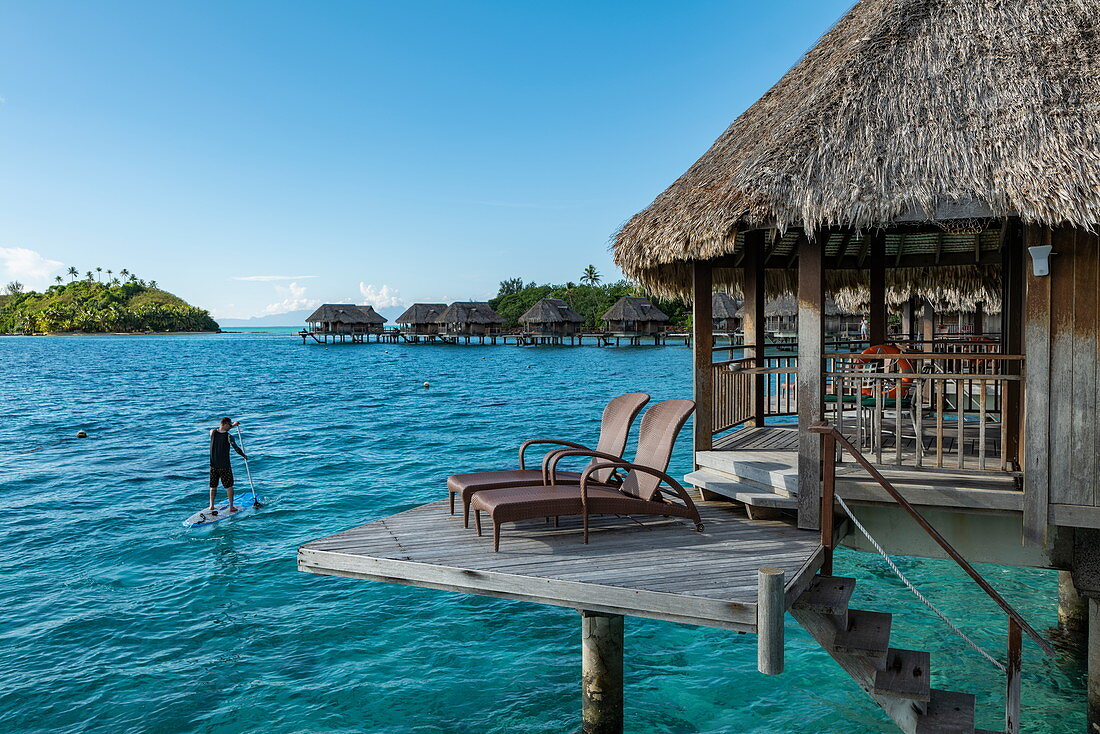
220,468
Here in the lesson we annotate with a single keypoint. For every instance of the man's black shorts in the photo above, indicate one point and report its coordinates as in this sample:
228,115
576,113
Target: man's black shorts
225,475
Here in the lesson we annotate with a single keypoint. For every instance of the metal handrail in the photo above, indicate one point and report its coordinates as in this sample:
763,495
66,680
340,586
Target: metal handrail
833,437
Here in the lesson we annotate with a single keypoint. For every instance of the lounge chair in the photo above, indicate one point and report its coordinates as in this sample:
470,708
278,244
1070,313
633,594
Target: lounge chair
615,425
640,492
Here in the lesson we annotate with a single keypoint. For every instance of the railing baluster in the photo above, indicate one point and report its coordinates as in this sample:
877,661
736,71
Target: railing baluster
941,385
962,425
876,436
918,420
1012,687
981,425
897,420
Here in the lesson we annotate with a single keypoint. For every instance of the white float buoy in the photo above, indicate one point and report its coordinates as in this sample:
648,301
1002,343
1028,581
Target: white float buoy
427,384
81,434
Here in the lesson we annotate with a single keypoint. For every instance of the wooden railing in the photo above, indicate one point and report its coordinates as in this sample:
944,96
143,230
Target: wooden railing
833,442
928,410
743,387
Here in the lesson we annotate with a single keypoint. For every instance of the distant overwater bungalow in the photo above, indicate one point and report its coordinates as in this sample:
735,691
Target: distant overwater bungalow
551,321
420,321
464,321
340,322
634,318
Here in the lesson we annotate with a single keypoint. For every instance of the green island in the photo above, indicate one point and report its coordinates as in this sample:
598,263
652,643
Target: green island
590,298
89,305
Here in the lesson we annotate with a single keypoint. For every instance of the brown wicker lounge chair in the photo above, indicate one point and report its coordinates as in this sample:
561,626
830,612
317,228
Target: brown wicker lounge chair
640,493
615,425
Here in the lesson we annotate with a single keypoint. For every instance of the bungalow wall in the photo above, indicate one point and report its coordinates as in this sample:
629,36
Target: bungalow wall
1061,438
556,328
634,327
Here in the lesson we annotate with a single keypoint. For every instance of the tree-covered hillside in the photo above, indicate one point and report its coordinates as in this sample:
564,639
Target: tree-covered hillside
590,299
91,306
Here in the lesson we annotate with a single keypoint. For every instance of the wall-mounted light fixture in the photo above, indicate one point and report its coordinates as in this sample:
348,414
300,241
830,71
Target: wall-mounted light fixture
1040,259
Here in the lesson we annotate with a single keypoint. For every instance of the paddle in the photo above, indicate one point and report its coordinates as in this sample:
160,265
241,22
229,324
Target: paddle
248,470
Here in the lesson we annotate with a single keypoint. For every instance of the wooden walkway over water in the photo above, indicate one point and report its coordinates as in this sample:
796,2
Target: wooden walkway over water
645,567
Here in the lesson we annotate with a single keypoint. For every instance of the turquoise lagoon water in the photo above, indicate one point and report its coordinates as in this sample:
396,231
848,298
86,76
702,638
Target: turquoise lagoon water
115,619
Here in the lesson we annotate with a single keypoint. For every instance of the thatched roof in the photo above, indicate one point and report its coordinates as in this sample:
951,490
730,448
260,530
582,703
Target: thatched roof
634,308
422,313
724,306
966,288
345,313
469,312
550,311
919,110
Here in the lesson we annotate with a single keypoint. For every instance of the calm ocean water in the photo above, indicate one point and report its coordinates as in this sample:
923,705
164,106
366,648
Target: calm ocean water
115,619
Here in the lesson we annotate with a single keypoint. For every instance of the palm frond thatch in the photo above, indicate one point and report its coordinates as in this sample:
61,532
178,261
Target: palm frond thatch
469,312
634,308
550,311
904,110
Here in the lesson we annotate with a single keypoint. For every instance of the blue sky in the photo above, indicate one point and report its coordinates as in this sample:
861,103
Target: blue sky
254,157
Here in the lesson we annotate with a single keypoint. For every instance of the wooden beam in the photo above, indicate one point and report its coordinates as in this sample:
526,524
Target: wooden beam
752,322
877,283
702,324
811,347
1036,450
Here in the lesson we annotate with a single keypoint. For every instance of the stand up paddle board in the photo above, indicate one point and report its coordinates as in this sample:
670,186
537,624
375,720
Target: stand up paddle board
203,518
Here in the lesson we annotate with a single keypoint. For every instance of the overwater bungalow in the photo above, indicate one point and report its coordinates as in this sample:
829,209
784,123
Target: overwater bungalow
550,321
420,320
915,141
467,320
342,322
781,317
634,318
725,312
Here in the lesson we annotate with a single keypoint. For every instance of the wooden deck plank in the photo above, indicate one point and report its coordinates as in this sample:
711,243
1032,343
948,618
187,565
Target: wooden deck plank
630,566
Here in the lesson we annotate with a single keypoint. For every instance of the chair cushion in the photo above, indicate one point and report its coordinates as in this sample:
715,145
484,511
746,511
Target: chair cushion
520,503
477,481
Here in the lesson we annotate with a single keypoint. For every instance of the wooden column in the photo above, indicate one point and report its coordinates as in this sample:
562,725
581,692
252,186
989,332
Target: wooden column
752,321
1094,666
1073,611
811,406
927,326
771,606
702,324
877,330
908,312
1012,331
1037,396
601,673
979,317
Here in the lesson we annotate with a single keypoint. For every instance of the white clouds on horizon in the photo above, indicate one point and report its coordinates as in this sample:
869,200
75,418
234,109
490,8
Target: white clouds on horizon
381,297
294,300
28,267
272,278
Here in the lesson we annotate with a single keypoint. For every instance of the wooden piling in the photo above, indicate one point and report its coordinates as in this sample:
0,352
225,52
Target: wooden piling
770,607
601,673
1094,666
1073,611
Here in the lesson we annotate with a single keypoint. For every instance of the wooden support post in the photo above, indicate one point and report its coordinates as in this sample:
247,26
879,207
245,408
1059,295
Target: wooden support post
1037,389
1073,612
1094,666
810,395
877,326
771,606
979,317
927,326
1012,334
601,673
907,320
752,321
1012,687
702,326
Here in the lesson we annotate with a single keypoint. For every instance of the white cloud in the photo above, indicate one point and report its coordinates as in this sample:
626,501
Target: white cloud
294,299
382,297
28,267
272,278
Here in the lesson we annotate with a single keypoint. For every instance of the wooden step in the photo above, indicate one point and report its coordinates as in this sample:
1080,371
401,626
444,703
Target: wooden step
868,635
906,675
828,595
747,493
948,712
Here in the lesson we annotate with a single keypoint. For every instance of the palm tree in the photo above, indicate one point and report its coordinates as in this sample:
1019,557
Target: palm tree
152,284
73,273
57,279
124,273
89,276
109,273
98,270
591,276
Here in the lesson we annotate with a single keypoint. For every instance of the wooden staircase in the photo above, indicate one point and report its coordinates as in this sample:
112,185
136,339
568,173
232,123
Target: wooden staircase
897,679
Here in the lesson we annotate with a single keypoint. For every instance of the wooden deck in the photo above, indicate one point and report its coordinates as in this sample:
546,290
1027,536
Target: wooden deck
645,567
769,456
